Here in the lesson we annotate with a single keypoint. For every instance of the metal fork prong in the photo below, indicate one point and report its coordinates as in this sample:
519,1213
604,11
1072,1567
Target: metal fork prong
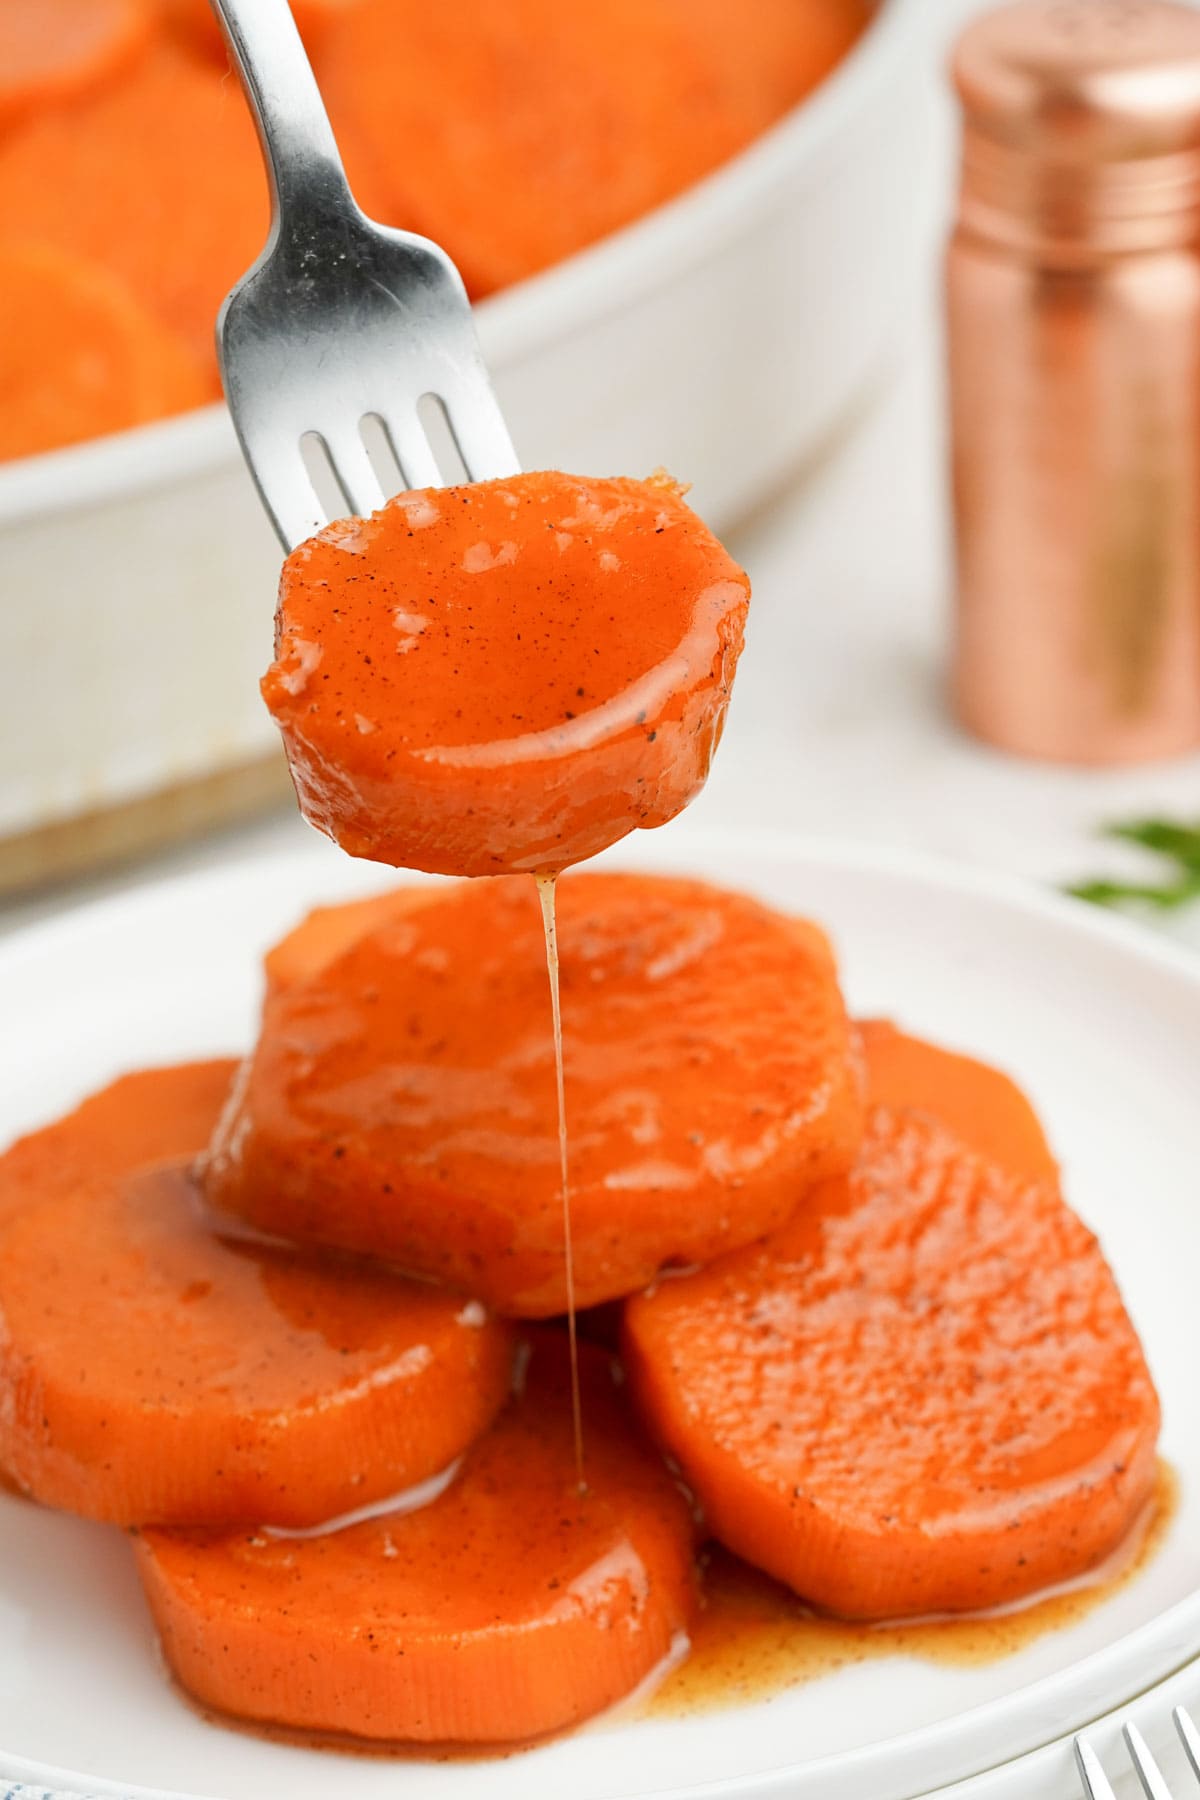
1190,1737
286,490
341,319
1149,1773
414,453
482,437
1096,1784
355,472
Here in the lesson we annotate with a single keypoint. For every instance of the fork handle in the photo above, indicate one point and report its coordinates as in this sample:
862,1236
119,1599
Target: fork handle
297,139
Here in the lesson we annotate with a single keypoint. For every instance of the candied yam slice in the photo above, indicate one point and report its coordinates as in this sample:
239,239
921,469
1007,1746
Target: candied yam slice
327,931
979,1104
922,1395
53,50
511,1606
505,676
80,356
156,177
401,1103
152,1370
149,1116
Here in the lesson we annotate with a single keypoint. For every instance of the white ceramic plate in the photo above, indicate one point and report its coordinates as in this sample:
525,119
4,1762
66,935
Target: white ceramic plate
1103,1027
1050,1773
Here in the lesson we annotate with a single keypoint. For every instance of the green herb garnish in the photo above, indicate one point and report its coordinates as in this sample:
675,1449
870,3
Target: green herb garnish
1176,845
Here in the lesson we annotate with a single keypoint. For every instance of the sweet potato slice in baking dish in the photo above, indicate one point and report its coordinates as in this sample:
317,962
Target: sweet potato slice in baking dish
515,134
52,50
511,1606
505,676
922,1395
80,356
195,23
151,1370
401,1102
978,1103
104,179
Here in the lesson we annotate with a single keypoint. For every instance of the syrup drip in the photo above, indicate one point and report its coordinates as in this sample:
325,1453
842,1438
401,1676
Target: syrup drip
547,889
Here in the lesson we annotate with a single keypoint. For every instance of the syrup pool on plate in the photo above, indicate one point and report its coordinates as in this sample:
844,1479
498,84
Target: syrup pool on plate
754,1638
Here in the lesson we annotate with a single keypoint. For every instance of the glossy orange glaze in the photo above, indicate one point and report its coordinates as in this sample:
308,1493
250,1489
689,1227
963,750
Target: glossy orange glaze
150,1116
516,134
151,1370
505,676
117,366
402,1102
982,1106
52,50
327,932
923,1395
509,1607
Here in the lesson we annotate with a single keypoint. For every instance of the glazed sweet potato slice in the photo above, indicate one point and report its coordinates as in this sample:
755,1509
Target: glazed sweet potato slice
401,1103
104,179
978,1103
511,1606
53,50
923,1395
327,932
79,356
505,676
150,1116
152,1370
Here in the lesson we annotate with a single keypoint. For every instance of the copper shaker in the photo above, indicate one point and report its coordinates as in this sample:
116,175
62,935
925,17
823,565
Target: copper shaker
1073,281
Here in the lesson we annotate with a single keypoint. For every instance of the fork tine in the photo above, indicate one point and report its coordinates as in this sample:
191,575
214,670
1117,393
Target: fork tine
414,453
1186,1728
338,306
354,470
1149,1773
286,490
482,436
1096,1784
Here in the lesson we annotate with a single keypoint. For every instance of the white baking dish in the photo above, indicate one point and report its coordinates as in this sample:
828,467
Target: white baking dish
724,336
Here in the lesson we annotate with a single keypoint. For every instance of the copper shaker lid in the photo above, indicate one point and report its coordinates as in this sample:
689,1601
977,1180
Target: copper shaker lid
1082,122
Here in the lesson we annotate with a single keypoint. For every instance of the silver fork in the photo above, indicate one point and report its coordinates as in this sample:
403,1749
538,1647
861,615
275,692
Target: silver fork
1096,1784
340,321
